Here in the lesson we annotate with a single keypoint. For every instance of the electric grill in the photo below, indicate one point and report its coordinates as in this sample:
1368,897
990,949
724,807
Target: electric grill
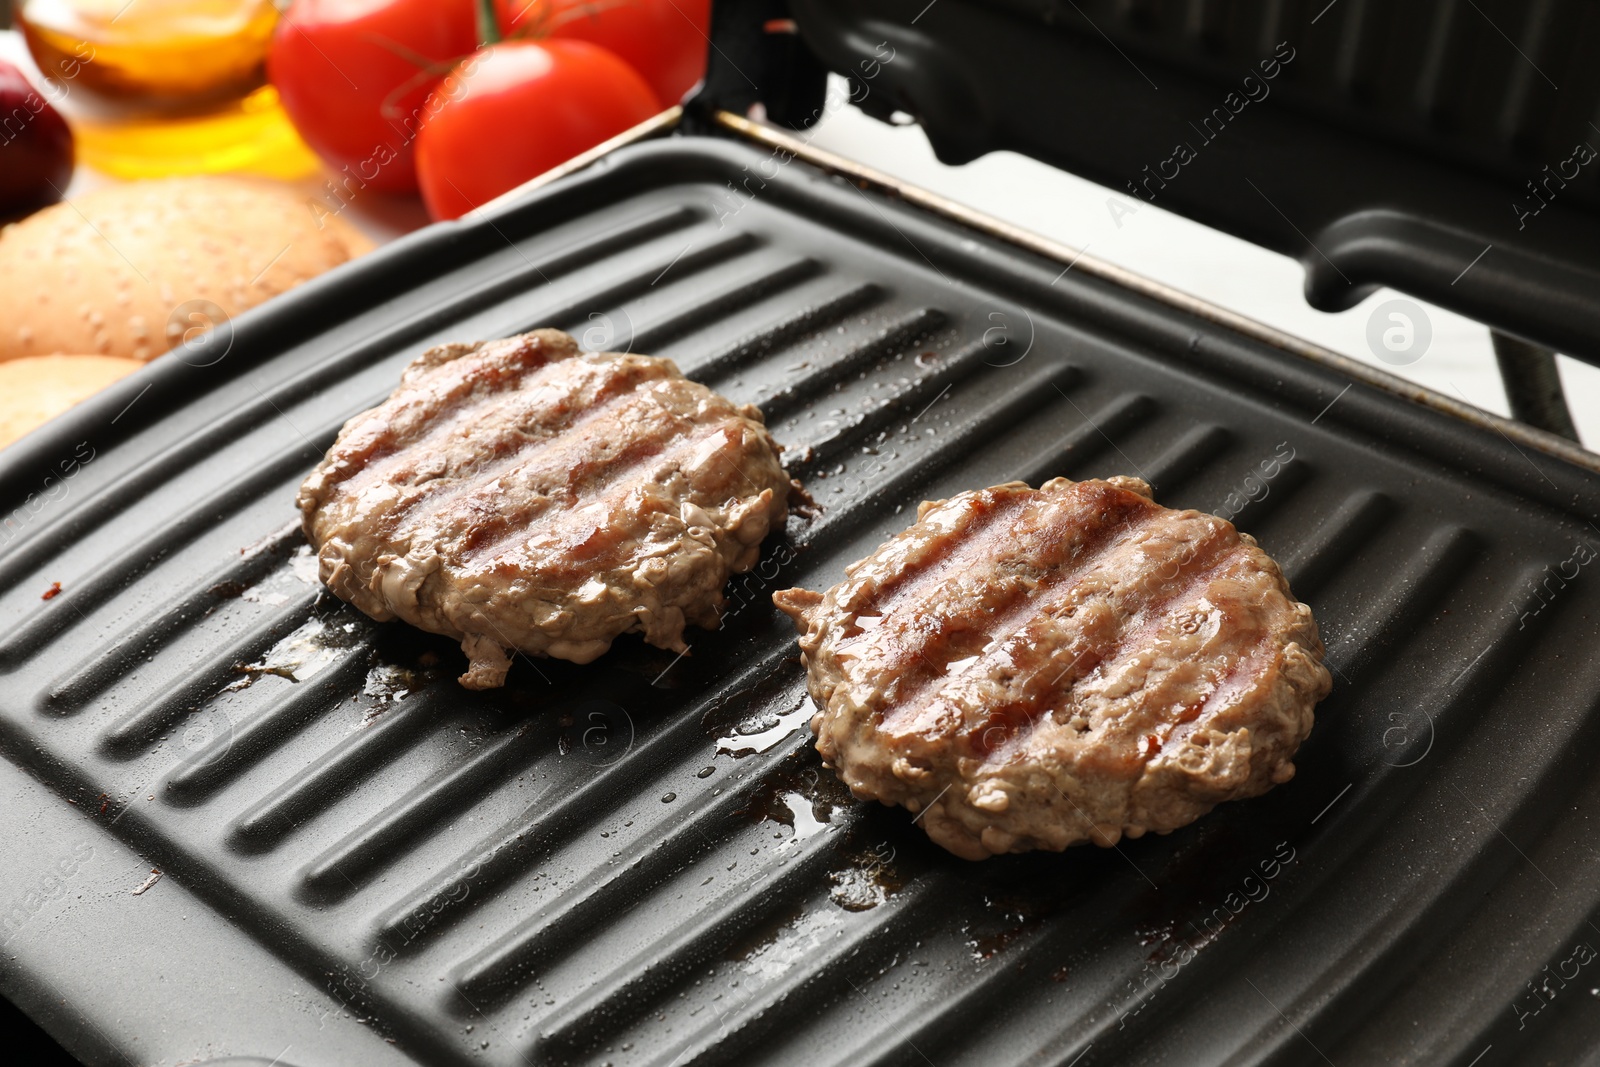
245,824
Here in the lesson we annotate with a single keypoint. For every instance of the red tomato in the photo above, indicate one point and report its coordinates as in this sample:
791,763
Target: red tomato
515,110
354,76
35,146
664,40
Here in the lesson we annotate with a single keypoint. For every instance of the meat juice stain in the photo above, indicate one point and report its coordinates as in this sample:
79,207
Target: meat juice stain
1023,894
307,650
756,718
387,684
764,933
765,726
802,779
860,887
1022,913
987,948
253,671
1149,934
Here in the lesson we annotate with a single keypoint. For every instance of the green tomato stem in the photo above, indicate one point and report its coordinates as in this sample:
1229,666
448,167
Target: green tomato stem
488,26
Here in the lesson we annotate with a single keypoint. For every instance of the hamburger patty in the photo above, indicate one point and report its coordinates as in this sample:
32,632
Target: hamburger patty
1033,668
521,495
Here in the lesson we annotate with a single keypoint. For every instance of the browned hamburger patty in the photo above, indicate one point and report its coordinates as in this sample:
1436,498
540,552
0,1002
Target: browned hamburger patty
1034,668
521,495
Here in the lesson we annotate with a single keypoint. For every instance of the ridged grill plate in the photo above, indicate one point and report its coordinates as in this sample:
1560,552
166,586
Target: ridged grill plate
641,861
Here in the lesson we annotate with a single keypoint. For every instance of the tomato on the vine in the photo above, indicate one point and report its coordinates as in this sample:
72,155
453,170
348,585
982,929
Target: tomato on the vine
516,109
664,40
354,76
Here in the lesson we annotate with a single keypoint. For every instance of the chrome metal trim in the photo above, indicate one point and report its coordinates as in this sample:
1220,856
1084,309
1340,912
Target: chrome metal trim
1519,434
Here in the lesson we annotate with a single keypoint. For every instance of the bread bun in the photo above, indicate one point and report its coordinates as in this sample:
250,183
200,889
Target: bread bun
105,272
35,389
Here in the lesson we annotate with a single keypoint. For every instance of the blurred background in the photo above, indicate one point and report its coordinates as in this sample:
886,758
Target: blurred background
151,88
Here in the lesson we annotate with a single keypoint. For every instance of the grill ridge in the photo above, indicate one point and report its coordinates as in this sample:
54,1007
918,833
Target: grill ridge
628,989
502,854
784,332
1506,635
1424,580
343,868
770,283
112,576
552,929
94,674
907,329
954,369
1097,433
1292,476
1181,460
806,989
683,265
139,728
323,781
258,736
1353,524
1034,391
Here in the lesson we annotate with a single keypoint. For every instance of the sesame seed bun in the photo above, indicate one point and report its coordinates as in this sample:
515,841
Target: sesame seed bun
35,389
104,273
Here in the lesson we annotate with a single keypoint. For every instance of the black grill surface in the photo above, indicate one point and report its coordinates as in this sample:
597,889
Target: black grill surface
641,861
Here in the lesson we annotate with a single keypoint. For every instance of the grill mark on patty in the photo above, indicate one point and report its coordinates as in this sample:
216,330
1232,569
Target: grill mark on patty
1009,726
388,465
1239,676
583,485
1247,657
380,434
514,452
1119,748
954,550
1066,538
604,483
505,450
1040,686
974,548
